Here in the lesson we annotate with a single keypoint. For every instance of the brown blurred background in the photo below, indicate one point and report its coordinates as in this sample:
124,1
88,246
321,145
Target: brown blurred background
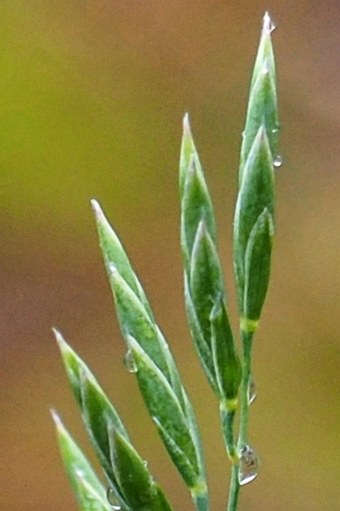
92,94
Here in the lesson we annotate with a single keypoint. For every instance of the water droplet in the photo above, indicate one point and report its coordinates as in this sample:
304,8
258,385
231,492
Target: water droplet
272,27
112,499
248,465
129,362
251,392
277,161
145,463
268,25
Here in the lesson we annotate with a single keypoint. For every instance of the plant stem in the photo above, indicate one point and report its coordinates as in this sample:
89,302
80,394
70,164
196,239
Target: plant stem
234,489
247,338
201,501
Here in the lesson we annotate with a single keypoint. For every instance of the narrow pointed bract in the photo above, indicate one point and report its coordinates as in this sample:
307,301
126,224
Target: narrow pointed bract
88,489
165,408
226,361
206,279
135,482
262,106
114,254
256,194
257,265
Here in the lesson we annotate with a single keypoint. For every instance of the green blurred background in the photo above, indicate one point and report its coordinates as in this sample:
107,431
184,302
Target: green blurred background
92,94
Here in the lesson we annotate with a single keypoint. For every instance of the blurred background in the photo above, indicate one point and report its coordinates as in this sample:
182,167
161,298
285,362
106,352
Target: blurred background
92,95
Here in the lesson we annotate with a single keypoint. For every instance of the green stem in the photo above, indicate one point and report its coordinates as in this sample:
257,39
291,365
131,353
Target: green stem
247,338
234,489
244,417
201,500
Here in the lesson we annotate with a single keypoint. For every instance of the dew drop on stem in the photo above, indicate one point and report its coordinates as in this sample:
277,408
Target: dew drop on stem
277,161
112,500
248,465
129,362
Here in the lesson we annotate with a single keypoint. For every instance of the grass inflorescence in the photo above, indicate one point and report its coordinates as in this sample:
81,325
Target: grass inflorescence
128,484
